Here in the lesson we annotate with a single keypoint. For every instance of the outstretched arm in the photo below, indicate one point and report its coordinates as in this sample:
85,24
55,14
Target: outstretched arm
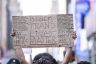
19,52
67,55
69,50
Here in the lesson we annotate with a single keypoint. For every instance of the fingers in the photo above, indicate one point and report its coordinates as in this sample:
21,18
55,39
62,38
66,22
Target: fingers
12,34
74,36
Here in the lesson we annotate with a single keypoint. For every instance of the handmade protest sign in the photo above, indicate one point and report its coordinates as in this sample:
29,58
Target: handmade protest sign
43,31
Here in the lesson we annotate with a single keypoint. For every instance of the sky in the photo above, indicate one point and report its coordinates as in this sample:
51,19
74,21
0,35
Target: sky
35,7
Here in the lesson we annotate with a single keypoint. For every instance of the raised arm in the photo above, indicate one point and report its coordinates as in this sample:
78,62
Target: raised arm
69,50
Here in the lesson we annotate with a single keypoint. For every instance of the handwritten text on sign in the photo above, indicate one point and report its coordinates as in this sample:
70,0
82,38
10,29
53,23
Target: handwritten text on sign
43,31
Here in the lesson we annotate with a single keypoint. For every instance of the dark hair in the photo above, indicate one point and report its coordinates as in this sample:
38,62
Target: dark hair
13,61
44,58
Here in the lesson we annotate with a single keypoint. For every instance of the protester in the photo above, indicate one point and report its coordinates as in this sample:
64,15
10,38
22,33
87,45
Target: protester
45,58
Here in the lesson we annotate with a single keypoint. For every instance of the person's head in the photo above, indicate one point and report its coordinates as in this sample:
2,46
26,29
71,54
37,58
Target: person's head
13,61
44,58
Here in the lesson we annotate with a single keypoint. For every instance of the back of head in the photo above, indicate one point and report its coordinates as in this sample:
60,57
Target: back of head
44,58
13,61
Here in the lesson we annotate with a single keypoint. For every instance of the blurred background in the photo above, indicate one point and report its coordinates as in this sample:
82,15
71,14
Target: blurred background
84,13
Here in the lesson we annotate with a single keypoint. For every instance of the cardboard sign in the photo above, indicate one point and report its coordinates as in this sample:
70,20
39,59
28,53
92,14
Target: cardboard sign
43,31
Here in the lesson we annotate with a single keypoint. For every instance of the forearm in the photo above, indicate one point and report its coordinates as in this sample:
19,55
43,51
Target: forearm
67,55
